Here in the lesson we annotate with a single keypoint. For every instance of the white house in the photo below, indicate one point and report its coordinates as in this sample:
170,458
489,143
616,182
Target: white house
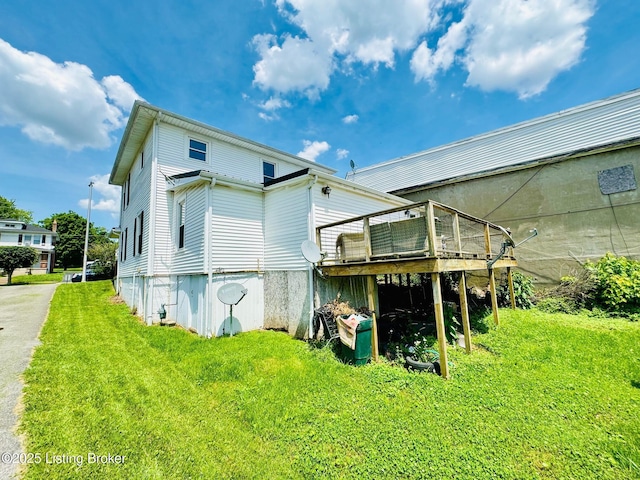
202,208
14,233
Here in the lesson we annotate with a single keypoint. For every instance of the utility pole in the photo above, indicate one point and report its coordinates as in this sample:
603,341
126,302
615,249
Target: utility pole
86,236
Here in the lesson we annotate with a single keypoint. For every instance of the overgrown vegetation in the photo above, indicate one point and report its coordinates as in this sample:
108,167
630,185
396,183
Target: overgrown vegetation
545,396
610,286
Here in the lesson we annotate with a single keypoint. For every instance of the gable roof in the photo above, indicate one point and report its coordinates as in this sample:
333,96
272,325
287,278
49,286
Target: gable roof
141,119
609,123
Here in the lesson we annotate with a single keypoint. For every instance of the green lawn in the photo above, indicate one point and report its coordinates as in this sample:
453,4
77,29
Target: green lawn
547,396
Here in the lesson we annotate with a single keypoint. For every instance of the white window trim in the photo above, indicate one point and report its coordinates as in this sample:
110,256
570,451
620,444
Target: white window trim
275,169
188,148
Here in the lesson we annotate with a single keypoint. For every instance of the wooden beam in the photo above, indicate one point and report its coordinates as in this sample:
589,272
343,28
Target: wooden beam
494,296
512,293
399,266
464,310
371,298
439,311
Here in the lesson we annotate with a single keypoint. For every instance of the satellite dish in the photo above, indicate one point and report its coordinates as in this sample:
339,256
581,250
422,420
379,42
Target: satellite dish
352,164
231,293
311,252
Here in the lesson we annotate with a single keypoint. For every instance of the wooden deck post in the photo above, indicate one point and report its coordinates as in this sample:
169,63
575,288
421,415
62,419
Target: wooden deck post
439,311
512,294
464,310
494,297
371,295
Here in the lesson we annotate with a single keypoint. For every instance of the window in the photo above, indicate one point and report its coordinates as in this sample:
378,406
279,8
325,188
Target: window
44,239
181,219
141,160
128,189
124,246
140,229
19,239
135,233
36,240
197,150
268,171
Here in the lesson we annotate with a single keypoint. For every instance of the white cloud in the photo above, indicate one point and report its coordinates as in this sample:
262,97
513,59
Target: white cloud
341,153
512,45
350,119
524,45
367,31
274,103
313,150
296,65
61,104
105,197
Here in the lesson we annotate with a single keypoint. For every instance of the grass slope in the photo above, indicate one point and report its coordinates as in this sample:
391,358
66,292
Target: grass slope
549,397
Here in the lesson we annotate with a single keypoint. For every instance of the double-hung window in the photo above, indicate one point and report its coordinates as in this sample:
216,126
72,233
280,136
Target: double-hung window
268,171
197,150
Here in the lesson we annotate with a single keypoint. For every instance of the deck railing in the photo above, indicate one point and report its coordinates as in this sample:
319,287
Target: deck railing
427,229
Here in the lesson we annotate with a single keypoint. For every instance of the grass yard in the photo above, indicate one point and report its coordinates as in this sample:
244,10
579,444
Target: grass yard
547,396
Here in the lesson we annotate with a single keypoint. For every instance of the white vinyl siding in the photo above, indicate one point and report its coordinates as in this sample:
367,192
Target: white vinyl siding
286,227
190,258
237,240
139,200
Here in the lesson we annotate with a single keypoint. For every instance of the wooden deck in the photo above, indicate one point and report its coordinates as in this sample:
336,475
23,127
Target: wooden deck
425,237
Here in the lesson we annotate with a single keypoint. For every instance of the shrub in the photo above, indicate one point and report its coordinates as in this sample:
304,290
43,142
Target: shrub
618,283
573,294
523,291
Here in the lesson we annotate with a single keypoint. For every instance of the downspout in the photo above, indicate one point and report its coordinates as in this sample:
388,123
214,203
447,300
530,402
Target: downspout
209,256
311,236
151,249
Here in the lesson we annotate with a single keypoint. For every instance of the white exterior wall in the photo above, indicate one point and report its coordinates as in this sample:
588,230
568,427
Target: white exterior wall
286,227
191,258
222,158
139,197
237,238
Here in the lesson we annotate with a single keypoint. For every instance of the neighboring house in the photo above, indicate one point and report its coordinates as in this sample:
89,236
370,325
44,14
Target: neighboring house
571,175
14,233
202,208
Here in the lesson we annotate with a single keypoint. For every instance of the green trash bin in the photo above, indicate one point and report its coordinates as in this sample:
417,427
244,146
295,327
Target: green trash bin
362,354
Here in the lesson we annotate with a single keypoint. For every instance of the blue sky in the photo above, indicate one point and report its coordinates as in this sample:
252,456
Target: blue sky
331,80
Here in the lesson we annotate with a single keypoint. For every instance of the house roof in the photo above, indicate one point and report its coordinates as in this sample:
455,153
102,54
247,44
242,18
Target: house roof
610,123
141,119
23,227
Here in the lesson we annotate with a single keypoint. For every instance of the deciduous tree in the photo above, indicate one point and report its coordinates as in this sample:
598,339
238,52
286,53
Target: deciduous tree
16,257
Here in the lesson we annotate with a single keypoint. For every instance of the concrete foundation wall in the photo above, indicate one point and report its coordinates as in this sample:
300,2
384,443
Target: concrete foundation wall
286,298
286,301
575,220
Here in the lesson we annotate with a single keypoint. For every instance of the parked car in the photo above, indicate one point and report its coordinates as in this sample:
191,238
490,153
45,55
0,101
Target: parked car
91,275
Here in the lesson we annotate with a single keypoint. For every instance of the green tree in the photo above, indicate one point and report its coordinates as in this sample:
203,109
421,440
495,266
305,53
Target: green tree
105,256
71,231
16,257
9,211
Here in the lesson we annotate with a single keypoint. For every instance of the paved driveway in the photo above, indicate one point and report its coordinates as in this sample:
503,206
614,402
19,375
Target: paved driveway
23,309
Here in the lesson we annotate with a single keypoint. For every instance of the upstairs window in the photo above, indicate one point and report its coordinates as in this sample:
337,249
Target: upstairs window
197,150
268,171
